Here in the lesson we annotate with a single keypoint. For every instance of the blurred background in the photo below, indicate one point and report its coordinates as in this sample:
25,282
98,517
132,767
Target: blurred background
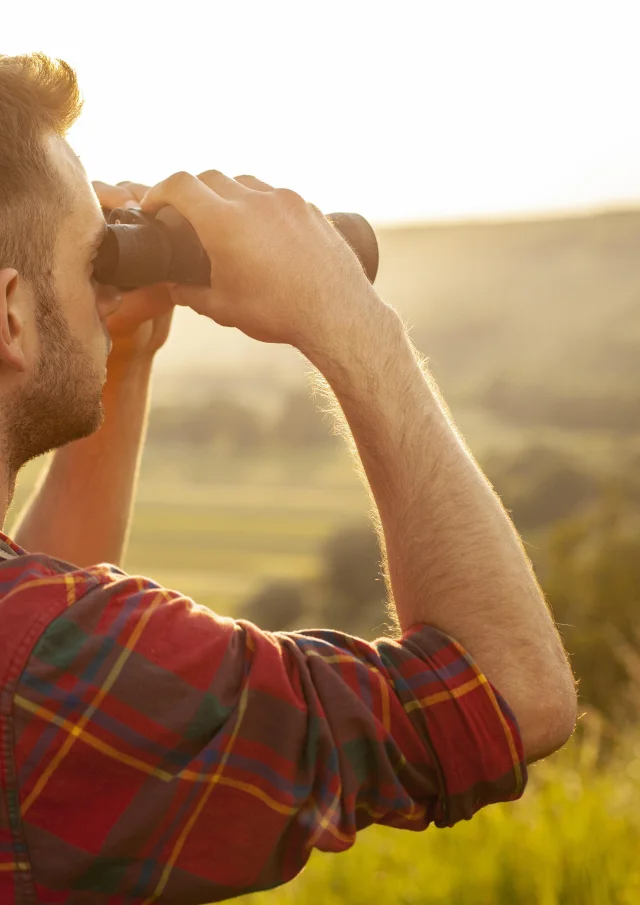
496,147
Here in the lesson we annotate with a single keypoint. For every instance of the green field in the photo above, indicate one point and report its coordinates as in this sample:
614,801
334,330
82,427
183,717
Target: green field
220,529
217,529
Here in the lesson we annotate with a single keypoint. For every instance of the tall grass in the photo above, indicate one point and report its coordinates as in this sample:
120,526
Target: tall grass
574,839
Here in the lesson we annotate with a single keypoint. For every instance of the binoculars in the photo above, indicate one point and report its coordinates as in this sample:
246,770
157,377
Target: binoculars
139,250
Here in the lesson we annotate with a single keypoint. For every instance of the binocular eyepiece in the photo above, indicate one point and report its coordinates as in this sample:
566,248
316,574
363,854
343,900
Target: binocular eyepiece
139,250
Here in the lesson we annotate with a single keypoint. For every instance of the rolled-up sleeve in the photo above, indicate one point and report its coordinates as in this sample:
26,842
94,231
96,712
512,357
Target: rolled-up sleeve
217,756
412,732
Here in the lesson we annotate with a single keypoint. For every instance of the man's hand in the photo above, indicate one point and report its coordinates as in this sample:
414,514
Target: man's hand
280,271
140,326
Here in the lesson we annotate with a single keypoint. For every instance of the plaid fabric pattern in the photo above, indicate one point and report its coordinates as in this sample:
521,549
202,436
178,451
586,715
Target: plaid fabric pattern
155,752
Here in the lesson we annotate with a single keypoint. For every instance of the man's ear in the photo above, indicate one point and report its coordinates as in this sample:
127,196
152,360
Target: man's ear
12,335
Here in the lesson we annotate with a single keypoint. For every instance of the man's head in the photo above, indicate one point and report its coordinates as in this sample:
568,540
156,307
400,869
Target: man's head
53,344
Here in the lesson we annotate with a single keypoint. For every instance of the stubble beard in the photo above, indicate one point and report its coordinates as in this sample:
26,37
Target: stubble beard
63,400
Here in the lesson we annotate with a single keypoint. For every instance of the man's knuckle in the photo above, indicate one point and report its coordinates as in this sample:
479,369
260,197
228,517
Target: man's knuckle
210,175
289,198
179,180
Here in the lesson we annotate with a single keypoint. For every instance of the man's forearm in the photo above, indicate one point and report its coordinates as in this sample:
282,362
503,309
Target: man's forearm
454,559
81,510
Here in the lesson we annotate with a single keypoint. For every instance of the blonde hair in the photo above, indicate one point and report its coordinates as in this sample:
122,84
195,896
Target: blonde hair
39,97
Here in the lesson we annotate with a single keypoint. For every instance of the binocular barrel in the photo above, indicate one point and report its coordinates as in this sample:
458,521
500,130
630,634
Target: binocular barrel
139,250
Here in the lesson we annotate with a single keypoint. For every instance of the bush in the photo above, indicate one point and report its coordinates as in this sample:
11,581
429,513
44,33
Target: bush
348,595
219,422
540,485
277,607
540,405
591,574
301,424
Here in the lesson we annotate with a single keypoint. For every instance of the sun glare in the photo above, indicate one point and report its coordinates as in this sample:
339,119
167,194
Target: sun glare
407,111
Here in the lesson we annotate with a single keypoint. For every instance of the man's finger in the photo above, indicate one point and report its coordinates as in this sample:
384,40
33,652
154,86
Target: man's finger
252,183
112,196
225,186
201,205
137,189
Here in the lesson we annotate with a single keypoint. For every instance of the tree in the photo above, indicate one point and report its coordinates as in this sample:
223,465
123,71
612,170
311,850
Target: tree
540,485
276,607
219,421
301,424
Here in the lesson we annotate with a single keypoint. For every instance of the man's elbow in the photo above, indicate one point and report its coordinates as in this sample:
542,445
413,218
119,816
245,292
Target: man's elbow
548,720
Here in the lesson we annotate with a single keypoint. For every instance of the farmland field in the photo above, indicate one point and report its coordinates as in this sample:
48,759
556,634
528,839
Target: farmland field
218,529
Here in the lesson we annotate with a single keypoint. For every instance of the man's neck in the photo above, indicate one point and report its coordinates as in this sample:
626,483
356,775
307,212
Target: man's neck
7,490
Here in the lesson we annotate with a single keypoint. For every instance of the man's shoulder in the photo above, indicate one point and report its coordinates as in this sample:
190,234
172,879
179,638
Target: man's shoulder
37,589
41,576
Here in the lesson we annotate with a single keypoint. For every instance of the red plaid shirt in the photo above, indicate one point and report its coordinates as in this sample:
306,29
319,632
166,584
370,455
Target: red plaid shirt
152,751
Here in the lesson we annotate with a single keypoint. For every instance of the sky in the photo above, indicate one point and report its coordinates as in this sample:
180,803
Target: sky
423,110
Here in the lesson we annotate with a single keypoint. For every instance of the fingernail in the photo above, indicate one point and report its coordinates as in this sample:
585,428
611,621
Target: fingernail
132,205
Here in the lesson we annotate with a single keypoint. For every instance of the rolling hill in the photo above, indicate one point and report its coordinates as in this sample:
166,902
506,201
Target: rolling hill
549,302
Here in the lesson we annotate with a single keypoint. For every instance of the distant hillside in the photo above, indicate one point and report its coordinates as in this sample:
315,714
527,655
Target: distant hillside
552,302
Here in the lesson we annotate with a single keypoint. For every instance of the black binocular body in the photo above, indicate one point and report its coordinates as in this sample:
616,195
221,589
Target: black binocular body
139,250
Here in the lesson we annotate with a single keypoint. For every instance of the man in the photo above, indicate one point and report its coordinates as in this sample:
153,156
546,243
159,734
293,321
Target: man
152,750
